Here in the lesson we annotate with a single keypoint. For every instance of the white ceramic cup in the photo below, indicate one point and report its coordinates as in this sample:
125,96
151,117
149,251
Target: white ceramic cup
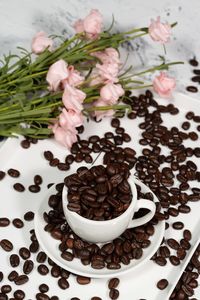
105,231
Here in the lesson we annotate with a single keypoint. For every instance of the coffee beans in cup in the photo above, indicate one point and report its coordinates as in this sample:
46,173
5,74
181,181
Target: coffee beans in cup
100,193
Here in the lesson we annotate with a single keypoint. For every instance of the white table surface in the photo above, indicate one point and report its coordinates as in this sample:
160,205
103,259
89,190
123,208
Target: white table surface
21,19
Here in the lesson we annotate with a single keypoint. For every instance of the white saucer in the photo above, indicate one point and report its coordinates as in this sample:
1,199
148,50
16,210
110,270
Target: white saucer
50,245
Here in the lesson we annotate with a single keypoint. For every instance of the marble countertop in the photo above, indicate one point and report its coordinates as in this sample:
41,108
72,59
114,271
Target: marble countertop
21,19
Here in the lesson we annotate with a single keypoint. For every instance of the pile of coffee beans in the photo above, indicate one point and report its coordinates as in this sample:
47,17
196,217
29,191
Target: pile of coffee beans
99,193
130,245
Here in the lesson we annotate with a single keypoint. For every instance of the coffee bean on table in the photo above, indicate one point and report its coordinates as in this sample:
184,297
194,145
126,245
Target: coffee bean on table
13,173
25,144
3,296
4,222
43,288
6,289
41,296
93,298
29,216
48,155
178,225
115,123
19,294
28,266
114,294
192,89
63,283
24,253
193,62
187,235
21,279
41,257
19,187
43,269
162,284
18,223
174,260
37,179
83,280
6,245
113,283
161,261
186,125
12,276
34,188
14,260
54,298
2,175
172,243
34,247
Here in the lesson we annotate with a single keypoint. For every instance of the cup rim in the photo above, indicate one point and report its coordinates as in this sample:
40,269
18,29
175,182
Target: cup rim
95,222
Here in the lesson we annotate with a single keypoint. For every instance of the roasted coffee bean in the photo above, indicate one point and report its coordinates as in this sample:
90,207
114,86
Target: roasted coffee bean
2,175
19,295
192,89
19,187
197,152
21,279
48,155
6,289
41,296
43,288
178,225
34,247
43,269
186,125
174,260
76,298
173,212
193,136
18,223
93,298
24,253
6,245
41,257
25,144
97,264
113,283
114,294
4,222
187,235
161,261
63,283
13,173
54,298
12,276
63,166
185,244
184,209
37,179
162,284
28,266
34,188
67,256
193,62
181,253
172,243
83,280
14,260
29,216
115,123
164,251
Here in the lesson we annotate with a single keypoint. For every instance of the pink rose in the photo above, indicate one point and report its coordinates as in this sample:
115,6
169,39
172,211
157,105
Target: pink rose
73,98
108,72
111,92
164,85
160,32
56,74
91,25
64,137
109,56
100,114
40,42
70,119
74,78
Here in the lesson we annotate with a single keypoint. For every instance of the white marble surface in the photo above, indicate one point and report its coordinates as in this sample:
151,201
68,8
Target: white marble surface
21,19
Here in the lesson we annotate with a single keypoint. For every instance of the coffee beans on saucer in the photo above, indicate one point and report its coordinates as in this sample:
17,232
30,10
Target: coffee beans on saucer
100,193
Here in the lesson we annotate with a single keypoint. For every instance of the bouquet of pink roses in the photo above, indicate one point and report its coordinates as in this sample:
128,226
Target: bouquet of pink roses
51,94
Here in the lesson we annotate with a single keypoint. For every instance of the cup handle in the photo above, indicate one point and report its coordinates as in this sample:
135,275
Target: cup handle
143,203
